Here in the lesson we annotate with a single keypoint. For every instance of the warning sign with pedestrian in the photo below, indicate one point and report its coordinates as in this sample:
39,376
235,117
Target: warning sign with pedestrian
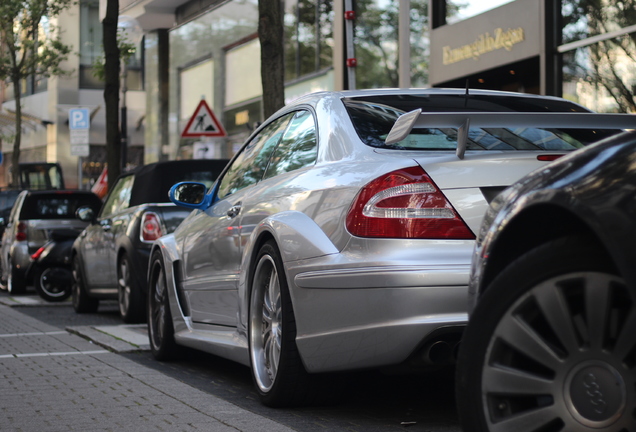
203,123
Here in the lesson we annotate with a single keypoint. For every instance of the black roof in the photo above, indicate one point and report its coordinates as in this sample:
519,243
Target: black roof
153,181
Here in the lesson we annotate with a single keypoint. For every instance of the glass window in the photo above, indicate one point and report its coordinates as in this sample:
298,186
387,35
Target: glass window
601,76
58,206
91,46
250,165
373,121
298,148
462,10
119,198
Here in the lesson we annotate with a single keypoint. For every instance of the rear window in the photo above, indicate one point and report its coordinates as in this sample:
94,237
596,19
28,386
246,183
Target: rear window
373,119
57,206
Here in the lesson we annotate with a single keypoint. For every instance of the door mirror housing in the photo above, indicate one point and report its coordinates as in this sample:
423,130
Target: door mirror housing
86,214
190,195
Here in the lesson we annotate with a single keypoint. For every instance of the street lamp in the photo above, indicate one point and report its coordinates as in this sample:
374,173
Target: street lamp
129,30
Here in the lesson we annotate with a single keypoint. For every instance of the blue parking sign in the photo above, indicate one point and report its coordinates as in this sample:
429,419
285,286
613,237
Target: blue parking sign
79,118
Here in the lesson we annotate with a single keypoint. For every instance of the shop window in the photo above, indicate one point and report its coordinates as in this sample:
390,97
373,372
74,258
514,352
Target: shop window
195,82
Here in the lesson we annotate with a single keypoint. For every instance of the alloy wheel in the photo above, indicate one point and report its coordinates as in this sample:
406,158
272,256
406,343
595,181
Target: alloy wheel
563,357
266,323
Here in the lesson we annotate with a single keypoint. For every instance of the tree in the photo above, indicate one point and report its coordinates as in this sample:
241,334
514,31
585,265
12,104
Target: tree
111,91
29,46
270,34
608,64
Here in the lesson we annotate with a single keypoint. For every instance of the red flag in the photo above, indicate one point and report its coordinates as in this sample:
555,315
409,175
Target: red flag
100,188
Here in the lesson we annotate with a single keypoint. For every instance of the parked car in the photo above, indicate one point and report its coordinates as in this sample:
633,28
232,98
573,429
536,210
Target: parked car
340,235
551,342
110,257
33,215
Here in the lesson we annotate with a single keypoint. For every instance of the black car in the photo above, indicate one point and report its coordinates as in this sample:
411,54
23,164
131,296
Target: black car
551,340
110,257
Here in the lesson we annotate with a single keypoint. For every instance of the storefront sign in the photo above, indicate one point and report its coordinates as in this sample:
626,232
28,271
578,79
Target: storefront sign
484,43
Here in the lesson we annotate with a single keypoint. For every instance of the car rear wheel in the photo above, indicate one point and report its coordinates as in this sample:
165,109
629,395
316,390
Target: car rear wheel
277,370
53,283
82,303
160,328
16,283
131,305
551,346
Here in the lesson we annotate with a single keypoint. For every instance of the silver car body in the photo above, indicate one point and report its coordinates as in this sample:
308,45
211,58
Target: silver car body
358,302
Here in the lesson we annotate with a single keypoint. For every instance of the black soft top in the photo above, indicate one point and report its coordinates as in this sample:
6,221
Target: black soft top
153,181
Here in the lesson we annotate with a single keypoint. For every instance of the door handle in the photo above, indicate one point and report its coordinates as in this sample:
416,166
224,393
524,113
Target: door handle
105,224
234,211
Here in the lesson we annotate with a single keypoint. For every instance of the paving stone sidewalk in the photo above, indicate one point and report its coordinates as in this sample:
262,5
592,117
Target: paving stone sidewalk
53,380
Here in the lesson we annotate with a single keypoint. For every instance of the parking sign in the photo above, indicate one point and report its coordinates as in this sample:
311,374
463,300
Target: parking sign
79,118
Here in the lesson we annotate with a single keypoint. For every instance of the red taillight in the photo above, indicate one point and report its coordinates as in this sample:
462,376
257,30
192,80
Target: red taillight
405,204
150,227
21,234
37,254
549,158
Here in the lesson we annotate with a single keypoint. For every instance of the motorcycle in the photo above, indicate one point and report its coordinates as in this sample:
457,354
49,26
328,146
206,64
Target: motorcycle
50,267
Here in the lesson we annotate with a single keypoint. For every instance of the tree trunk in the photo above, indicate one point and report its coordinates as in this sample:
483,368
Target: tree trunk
111,91
15,156
270,34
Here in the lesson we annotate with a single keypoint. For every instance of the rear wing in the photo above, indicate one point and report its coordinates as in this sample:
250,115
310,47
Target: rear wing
465,120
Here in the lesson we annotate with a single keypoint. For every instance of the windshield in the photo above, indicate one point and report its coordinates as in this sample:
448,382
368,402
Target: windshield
373,121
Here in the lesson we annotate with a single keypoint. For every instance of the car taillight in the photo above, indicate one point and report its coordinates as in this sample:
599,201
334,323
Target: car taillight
150,227
405,204
37,254
21,234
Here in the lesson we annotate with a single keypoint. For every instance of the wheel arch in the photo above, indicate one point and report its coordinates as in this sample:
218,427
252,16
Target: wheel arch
296,236
536,225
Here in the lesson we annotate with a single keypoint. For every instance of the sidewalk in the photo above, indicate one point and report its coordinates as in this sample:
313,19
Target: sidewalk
54,380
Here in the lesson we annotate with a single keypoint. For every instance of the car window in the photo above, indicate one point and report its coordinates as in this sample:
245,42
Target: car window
56,206
248,167
119,198
373,121
298,148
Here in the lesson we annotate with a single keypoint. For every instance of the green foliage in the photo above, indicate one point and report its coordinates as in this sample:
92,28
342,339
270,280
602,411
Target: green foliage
29,43
126,51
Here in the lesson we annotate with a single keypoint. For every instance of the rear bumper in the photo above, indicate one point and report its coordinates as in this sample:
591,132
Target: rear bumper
369,315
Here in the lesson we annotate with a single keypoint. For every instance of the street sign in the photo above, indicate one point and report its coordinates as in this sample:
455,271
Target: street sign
79,123
203,123
79,118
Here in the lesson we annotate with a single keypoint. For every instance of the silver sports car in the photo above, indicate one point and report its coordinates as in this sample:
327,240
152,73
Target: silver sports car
340,236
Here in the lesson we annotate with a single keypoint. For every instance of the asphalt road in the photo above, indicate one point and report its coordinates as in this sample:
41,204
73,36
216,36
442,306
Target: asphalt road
369,401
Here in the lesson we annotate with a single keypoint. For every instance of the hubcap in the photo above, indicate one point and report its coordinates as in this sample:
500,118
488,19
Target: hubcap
562,358
265,324
595,394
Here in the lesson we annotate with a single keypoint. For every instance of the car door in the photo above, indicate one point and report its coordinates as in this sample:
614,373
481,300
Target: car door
97,245
212,248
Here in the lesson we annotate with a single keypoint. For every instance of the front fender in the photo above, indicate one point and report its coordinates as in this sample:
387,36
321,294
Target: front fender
297,236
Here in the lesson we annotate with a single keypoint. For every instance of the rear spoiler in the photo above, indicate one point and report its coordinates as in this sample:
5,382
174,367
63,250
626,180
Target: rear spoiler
464,120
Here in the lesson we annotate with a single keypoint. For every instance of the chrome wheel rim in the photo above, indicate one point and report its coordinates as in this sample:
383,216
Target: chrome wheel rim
50,288
124,287
158,310
563,357
265,323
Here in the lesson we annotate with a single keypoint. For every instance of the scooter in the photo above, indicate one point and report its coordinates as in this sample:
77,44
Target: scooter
50,268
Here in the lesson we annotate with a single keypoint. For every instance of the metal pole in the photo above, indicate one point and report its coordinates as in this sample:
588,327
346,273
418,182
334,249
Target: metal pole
123,120
351,56
404,45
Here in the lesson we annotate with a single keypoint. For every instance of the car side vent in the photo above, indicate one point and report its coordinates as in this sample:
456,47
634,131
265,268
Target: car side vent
183,302
491,192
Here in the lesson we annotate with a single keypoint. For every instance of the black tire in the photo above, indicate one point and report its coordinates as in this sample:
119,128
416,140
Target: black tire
82,303
16,283
49,284
160,327
130,297
277,370
550,346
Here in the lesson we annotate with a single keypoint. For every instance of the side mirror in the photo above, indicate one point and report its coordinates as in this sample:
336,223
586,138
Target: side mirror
85,214
2,222
190,194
